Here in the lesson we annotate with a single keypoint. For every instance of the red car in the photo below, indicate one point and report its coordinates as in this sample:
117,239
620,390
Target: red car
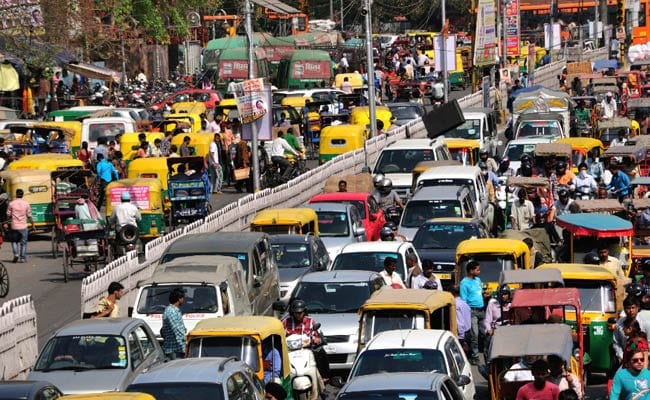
210,97
371,214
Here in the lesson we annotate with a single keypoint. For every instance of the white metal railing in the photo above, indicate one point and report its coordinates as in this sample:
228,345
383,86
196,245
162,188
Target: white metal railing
18,338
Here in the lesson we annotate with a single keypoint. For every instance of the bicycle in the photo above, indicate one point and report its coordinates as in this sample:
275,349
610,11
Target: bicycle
271,176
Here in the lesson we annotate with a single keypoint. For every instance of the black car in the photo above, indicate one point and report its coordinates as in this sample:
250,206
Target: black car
295,256
404,112
28,390
437,239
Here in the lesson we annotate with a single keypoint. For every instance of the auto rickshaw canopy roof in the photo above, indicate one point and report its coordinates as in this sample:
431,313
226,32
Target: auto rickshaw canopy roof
531,276
528,182
616,122
574,271
641,180
425,165
27,176
414,299
454,143
581,143
595,224
638,102
50,161
491,246
637,151
542,339
598,205
285,216
546,298
238,325
553,149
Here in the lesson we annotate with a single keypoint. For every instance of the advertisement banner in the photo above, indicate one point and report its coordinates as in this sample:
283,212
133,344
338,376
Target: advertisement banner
485,52
311,69
512,28
139,195
251,103
264,125
450,48
234,69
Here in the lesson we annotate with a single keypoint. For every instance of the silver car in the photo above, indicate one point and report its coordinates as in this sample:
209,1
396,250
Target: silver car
333,299
401,385
339,224
97,355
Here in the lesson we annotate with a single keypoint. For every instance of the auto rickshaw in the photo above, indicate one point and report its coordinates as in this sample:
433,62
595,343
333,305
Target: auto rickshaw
388,309
361,116
225,106
603,206
297,102
199,142
174,126
193,119
457,76
49,161
464,150
631,159
597,286
153,167
507,347
494,256
189,107
581,147
45,137
37,188
339,139
294,221
585,227
638,106
531,278
425,165
607,129
129,143
355,79
146,194
243,337
550,153
189,190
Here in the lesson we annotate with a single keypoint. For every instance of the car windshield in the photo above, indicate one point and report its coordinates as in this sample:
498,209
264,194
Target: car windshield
515,151
333,224
449,182
180,390
418,211
594,296
291,255
374,322
198,299
367,261
242,257
538,128
398,360
244,348
390,395
470,129
405,112
492,265
81,353
443,236
401,161
332,298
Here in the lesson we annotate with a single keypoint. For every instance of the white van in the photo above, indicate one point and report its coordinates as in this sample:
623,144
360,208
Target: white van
480,125
108,127
214,287
459,176
397,161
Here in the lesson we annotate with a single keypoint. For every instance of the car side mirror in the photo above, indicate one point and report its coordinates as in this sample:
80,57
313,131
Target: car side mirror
130,312
359,231
463,380
316,326
278,306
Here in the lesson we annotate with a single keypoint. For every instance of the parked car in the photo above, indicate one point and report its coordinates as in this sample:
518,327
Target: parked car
403,385
210,97
405,112
370,256
338,224
200,379
28,390
297,255
333,299
437,238
371,214
97,355
416,350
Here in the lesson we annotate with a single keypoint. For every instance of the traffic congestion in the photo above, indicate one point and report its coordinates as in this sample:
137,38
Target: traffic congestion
367,254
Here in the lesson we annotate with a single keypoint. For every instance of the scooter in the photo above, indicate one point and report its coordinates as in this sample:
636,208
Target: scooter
306,381
584,193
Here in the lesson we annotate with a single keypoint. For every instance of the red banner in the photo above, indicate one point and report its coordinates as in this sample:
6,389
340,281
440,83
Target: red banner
235,69
512,28
311,70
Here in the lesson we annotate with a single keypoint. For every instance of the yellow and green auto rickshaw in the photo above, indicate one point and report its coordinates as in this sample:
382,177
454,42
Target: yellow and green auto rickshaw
361,116
581,147
37,188
295,221
464,150
199,142
154,168
189,107
193,119
130,143
48,161
146,194
339,139
45,137
244,337
389,308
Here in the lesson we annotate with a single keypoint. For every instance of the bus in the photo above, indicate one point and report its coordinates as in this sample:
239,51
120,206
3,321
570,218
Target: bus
304,68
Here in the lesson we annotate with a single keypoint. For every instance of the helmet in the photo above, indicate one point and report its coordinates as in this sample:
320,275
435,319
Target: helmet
376,180
297,305
483,151
126,196
560,165
391,225
504,289
634,289
526,158
386,184
591,258
386,233
563,191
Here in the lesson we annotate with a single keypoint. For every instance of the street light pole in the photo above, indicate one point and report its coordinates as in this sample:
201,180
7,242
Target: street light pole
370,76
443,49
251,75
505,34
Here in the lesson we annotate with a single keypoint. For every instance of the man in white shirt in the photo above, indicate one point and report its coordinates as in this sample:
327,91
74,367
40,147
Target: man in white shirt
438,90
278,147
391,278
216,173
427,275
125,213
344,66
608,106
346,86
521,371
141,77
620,140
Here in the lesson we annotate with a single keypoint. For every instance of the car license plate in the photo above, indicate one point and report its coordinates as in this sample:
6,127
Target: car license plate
444,276
330,349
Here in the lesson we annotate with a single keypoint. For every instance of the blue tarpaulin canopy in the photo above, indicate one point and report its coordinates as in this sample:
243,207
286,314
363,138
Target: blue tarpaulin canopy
605,64
594,224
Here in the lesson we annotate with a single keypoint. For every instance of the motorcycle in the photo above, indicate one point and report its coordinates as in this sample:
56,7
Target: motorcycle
306,381
126,240
584,193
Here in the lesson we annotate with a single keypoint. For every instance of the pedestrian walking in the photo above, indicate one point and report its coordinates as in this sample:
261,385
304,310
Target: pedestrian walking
540,388
471,291
173,330
216,172
463,319
107,306
19,212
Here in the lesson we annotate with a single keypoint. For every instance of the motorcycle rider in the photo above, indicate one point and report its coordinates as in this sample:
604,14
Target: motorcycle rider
504,168
125,213
298,323
396,235
497,313
489,161
585,183
386,196
386,234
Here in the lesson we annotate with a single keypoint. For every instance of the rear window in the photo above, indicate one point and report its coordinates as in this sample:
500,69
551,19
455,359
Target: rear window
399,360
370,261
180,390
402,161
417,212
242,257
198,299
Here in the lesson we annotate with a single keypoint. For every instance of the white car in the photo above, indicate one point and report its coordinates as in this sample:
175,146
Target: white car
370,256
518,147
421,350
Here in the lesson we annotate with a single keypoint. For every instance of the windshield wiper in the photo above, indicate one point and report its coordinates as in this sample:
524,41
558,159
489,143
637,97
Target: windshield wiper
76,368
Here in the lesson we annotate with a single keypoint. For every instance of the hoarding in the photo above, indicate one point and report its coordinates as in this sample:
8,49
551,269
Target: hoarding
512,28
485,52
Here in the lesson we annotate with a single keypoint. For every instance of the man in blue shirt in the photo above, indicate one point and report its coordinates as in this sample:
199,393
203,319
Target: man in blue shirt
272,362
471,292
632,381
620,183
173,330
106,173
